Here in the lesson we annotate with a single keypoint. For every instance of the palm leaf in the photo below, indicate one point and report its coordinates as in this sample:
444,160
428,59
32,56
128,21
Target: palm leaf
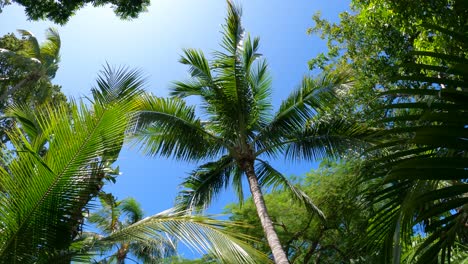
204,183
45,190
268,176
203,234
169,127
423,161
312,97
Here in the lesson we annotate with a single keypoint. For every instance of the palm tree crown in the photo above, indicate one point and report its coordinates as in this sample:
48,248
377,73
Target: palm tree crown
237,126
115,215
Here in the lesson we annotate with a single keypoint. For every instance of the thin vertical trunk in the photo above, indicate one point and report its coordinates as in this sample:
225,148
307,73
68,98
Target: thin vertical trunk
273,241
122,253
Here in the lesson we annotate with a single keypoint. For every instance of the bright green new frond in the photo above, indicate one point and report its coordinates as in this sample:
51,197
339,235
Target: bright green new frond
58,166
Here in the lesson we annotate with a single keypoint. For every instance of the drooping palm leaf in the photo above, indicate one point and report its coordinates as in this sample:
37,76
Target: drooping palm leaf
424,160
203,234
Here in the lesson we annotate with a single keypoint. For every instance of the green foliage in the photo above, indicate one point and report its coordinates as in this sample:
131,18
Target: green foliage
422,163
113,216
60,11
237,123
26,71
236,126
306,237
412,56
379,35
61,156
153,238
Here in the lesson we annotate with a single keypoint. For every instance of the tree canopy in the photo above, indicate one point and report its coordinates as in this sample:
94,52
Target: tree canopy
60,11
409,60
334,187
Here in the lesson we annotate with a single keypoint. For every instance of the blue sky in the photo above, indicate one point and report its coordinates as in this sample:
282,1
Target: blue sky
154,42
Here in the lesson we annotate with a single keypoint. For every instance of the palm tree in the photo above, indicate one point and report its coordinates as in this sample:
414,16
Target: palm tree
40,60
153,239
420,172
61,155
236,125
115,215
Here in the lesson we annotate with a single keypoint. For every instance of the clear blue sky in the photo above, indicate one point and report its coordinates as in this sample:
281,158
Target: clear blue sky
153,43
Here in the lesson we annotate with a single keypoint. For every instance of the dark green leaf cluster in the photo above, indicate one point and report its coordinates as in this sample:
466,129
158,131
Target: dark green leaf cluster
60,11
26,71
421,166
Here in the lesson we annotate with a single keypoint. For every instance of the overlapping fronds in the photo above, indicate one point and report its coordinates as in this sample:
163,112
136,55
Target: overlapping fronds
47,54
311,98
203,234
422,165
169,127
238,122
269,176
60,156
205,183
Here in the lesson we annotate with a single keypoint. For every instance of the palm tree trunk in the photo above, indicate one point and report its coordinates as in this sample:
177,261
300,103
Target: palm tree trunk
273,241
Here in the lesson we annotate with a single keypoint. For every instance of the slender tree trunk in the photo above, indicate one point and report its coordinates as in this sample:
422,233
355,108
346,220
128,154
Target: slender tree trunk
122,253
273,241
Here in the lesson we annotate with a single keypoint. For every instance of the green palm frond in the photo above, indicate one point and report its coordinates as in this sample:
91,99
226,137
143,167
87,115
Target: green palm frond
325,137
132,209
233,31
199,67
50,51
203,234
44,190
205,183
169,127
34,50
269,176
312,97
118,84
423,160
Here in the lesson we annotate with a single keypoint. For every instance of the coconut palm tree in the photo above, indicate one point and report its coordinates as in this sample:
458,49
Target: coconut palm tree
236,127
58,159
58,164
154,239
114,215
39,60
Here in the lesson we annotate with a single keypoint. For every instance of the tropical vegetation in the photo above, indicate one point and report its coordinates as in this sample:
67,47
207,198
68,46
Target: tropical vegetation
384,112
238,129
60,11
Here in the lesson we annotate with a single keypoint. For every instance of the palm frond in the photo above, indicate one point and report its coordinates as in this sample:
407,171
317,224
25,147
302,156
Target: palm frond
199,67
132,209
169,127
312,97
50,51
118,84
422,162
203,234
34,50
269,176
204,183
45,190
